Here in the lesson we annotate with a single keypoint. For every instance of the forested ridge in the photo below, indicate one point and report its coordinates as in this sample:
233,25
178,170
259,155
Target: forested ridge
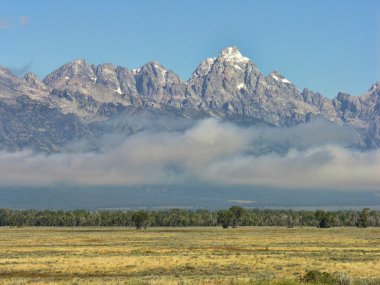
235,216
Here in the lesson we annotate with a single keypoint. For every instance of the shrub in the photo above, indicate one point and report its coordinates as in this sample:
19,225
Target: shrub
342,278
315,276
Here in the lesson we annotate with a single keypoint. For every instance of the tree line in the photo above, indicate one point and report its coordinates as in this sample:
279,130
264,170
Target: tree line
233,217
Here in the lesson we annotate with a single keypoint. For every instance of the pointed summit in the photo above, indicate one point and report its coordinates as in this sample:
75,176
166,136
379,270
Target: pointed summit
232,54
229,56
30,77
78,70
34,81
203,68
155,70
154,65
375,87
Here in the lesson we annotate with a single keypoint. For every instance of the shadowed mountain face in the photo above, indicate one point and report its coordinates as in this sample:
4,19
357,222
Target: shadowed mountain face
80,101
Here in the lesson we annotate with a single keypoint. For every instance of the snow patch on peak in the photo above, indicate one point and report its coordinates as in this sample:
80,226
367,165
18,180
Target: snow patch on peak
204,67
210,60
232,54
375,87
136,70
240,86
278,77
207,64
160,68
118,90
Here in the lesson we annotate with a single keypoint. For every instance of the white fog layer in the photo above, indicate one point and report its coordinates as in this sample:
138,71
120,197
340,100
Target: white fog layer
309,156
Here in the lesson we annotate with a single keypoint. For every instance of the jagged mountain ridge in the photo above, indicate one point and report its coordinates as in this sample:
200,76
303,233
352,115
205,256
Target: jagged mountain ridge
229,87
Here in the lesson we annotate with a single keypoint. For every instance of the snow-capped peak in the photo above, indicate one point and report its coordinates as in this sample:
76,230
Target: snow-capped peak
232,54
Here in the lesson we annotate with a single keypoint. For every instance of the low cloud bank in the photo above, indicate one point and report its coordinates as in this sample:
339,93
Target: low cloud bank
310,156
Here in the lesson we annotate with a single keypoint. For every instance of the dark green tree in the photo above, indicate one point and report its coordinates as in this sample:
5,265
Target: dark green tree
363,218
324,219
140,219
237,213
224,218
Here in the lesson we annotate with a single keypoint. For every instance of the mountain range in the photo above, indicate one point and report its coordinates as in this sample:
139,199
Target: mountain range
83,101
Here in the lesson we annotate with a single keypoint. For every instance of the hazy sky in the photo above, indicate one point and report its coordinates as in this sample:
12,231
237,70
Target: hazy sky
326,45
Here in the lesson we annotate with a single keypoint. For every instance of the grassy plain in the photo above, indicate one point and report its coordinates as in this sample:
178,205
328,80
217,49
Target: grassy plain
184,255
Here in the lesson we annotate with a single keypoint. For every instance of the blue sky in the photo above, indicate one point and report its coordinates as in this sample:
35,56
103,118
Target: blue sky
325,45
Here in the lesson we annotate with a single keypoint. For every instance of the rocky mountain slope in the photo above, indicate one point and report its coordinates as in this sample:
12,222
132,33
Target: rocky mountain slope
78,99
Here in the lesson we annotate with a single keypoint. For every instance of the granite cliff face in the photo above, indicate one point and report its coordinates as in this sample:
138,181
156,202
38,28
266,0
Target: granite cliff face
78,99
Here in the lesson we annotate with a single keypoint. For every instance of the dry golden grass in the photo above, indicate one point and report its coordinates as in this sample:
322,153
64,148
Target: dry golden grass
172,255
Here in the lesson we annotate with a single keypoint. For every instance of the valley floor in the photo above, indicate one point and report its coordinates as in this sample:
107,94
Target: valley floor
185,255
